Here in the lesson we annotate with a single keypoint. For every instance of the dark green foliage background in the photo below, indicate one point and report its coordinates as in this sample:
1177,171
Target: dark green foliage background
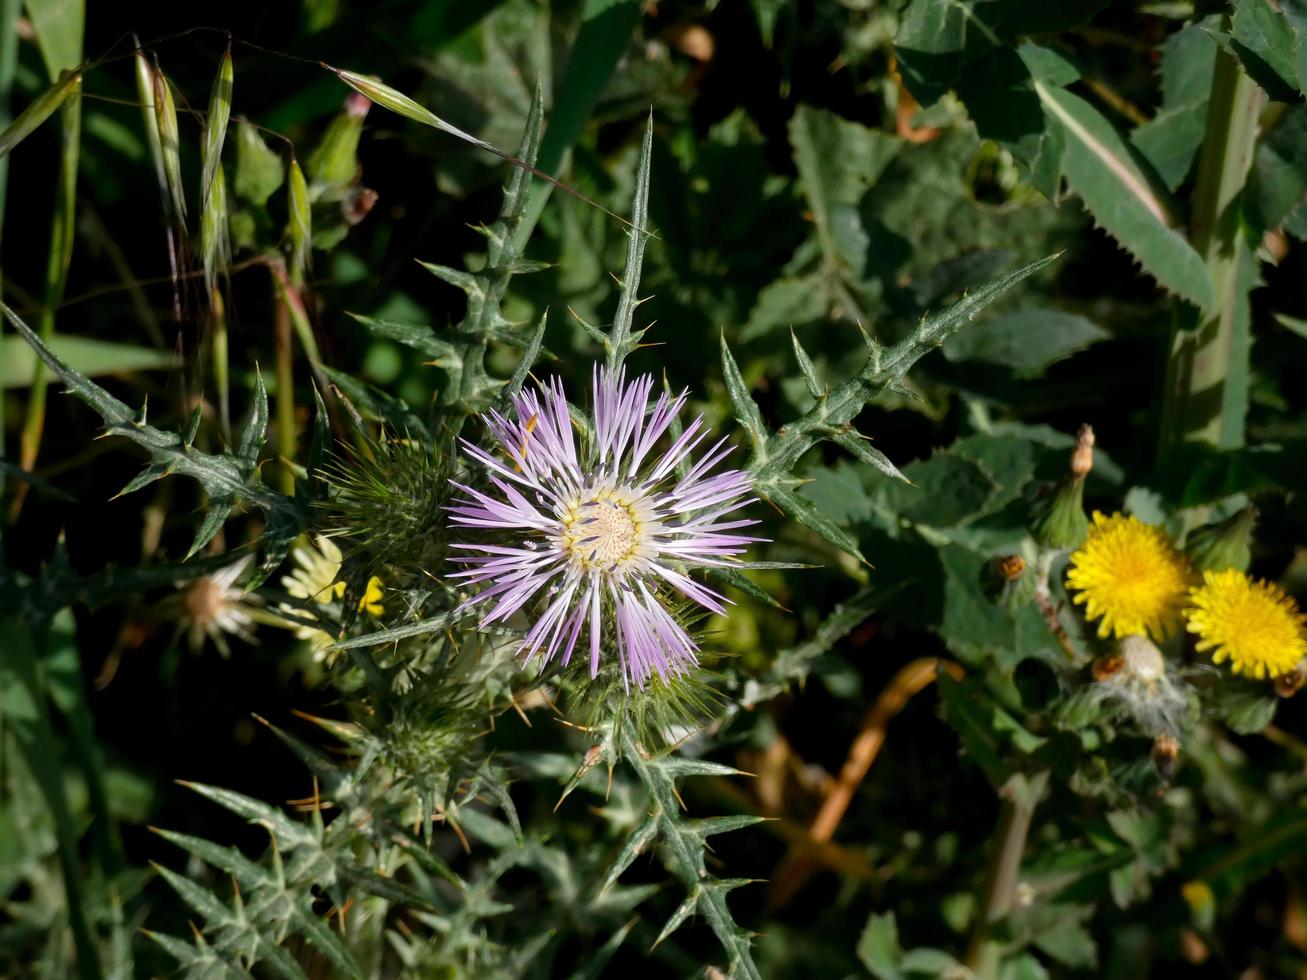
784,199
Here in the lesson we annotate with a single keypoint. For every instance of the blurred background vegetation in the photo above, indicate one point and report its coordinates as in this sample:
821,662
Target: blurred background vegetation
798,186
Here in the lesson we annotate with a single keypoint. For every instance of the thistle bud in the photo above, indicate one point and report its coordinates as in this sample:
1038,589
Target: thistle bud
1064,525
1225,545
1082,457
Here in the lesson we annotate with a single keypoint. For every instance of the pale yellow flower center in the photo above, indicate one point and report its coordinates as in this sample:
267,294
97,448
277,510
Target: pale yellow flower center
601,533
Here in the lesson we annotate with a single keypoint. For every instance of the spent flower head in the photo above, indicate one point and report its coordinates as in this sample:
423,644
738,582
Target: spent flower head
1129,575
213,607
1139,682
1251,623
598,537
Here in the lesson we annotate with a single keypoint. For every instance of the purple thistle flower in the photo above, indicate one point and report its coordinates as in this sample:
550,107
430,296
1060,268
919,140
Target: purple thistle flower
598,533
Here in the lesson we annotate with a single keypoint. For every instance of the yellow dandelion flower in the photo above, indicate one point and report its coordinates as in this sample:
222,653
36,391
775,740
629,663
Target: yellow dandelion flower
371,601
1129,575
1253,624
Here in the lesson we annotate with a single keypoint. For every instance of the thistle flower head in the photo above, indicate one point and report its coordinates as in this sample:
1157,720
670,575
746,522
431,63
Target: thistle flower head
1129,575
594,537
1251,623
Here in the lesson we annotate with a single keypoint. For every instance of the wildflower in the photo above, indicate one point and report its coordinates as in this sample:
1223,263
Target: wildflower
598,534
1253,624
316,578
1129,575
213,607
370,603
1139,682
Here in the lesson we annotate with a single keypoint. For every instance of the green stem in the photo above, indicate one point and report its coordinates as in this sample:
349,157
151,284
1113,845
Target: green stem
285,393
9,11
1020,796
1205,398
56,279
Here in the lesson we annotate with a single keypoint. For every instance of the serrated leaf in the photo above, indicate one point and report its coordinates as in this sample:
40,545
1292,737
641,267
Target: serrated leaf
746,410
1027,341
1122,196
421,628
807,514
420,338
1265,40
622,338
809,370
678,917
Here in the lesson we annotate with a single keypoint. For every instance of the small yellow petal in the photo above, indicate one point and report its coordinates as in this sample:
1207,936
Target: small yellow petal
1129,576
371,601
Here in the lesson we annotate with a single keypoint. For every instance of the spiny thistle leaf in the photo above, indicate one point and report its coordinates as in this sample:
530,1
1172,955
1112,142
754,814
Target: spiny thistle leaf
227,478
684,844
621,338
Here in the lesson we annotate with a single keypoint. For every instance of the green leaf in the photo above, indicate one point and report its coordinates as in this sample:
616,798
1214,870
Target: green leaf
83,354
259,170
1170,140
838,161
807,514
1277,183
746,410
604,37
1269,48
622,338
878,947
59,26
1027,341
944,491
930,44
1121,194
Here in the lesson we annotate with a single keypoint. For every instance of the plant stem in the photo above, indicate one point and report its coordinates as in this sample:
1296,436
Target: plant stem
56,279
1020,796
9,11
1205,398
285,393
